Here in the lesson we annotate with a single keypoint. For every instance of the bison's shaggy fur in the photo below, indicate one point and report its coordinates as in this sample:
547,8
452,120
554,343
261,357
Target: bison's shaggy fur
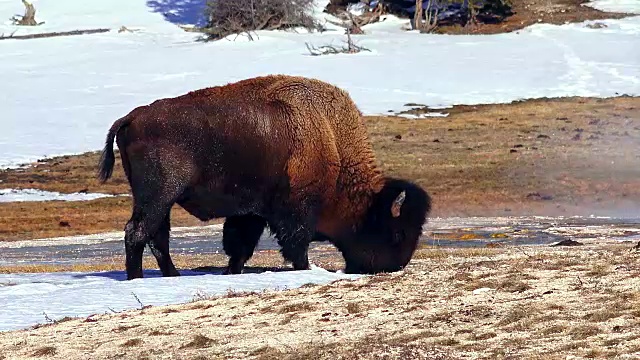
290,153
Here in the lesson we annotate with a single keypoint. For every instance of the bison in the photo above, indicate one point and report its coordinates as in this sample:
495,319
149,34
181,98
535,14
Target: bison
284,152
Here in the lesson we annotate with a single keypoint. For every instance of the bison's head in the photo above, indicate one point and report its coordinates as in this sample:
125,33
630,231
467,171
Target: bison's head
388,236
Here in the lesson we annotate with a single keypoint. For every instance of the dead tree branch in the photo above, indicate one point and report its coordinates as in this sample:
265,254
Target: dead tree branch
51,34
29,17
351,48
353,23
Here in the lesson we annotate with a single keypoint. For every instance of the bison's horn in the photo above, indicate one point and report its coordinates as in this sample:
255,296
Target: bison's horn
397,204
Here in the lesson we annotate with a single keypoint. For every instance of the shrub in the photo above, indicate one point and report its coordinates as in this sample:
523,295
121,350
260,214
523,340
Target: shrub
226,17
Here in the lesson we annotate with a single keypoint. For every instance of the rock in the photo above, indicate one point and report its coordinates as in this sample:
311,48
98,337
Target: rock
568,242
481,290
538,196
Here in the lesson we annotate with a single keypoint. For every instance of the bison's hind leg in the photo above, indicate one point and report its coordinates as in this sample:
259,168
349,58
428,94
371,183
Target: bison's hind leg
158,178
159,246
240,235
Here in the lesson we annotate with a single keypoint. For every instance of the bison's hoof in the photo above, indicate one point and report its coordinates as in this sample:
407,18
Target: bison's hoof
173,273
230,271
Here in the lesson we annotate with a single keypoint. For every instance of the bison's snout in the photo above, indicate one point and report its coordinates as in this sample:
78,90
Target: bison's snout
374,260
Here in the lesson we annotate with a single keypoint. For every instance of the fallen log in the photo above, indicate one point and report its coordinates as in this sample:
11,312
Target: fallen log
52,34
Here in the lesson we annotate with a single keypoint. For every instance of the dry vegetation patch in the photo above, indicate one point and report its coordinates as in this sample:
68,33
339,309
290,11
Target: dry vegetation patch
536,156
452,306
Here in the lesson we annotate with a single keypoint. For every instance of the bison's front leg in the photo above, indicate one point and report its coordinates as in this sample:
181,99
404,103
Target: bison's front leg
294,236
240,235
296,251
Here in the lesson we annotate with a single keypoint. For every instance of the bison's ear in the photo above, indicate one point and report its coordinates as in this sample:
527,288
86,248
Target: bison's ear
397,204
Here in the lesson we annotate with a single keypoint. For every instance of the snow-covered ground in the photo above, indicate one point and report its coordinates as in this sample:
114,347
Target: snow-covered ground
26,298
62,94
15,195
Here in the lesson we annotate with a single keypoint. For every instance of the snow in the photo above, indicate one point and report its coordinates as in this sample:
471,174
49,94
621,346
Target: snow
14,195
63,93
423,115
182,231
622,6
26,298
67,15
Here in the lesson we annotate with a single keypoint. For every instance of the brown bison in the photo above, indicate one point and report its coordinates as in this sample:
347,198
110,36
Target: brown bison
288,152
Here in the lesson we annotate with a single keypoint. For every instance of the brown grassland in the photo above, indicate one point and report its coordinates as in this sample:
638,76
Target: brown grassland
504,303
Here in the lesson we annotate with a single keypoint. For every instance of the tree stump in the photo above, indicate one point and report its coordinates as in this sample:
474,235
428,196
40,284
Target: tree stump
29,17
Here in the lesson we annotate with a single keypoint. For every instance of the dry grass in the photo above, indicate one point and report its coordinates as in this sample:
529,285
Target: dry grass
427,311
295,307
198,342
132,342
44,351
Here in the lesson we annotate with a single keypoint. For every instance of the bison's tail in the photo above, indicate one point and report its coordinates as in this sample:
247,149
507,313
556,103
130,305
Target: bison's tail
107,159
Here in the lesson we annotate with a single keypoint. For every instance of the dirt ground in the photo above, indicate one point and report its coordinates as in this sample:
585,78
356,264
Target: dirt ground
501,303
574,156
529,12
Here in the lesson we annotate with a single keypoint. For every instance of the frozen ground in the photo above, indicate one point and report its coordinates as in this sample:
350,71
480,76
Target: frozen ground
14,195
63,93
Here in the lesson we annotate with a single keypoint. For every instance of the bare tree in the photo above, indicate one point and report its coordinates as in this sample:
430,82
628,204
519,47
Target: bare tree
426,20
353,24
29,17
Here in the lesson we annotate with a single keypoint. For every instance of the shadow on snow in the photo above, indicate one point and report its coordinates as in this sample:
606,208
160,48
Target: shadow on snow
204,270
181,12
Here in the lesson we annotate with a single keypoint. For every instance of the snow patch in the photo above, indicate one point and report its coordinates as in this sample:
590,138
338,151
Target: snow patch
622,6
57,295
14,195
423,115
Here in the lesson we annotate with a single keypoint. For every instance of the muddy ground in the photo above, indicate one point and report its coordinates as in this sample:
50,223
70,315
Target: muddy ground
575,156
